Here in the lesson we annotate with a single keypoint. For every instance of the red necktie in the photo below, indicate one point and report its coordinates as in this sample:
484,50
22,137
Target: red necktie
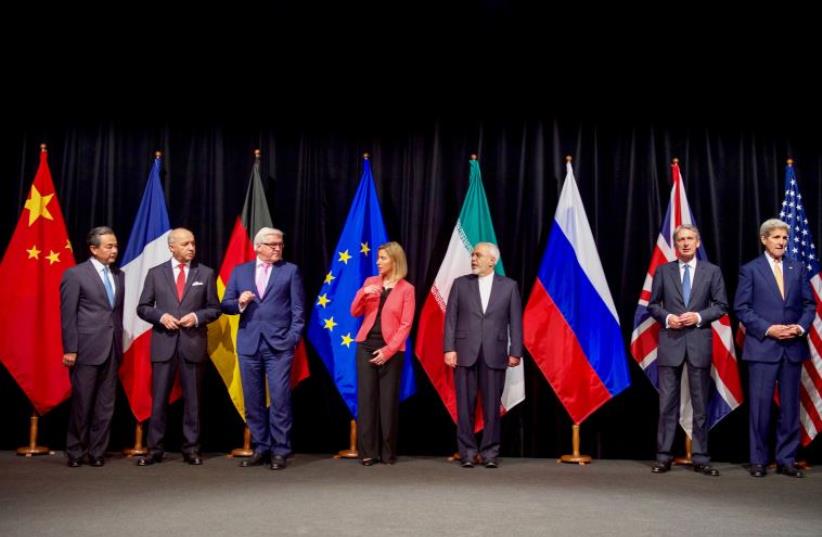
181,282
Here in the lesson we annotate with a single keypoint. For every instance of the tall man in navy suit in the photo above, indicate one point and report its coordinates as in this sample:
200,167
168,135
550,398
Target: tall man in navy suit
179,299
484,312
686,297
91,311
775,303
268,295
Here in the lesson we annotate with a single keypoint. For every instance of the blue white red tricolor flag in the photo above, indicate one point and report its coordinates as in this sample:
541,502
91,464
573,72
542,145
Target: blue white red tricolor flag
726,389
570,324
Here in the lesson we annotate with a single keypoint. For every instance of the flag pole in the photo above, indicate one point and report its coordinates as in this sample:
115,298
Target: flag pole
139,448
575,457
246,450
687,460
33,449
351,452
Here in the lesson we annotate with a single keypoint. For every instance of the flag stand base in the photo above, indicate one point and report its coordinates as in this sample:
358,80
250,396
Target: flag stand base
138,448
686,460
351,452
33,449
246,450
575,457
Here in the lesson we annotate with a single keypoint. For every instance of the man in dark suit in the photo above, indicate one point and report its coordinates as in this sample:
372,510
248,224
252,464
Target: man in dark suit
484,312
179,299
91,311
774,302
686,297
268,295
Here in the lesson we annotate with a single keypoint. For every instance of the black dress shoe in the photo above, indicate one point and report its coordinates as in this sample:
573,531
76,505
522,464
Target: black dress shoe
757,470
706,469
193,459
369,461
278,462
258,459
97,462
661,467
789,470
467,463
150,459
491,463
73,463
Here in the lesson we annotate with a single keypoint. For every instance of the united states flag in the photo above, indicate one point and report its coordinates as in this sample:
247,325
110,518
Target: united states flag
802,249
726,389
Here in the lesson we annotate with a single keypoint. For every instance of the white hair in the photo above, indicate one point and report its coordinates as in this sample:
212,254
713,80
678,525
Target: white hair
492,249
264,232
771,224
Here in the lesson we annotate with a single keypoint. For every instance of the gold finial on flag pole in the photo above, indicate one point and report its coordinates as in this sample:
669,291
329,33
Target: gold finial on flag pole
569,158
365,156
43,148
474,156
158,154
790,161
257,153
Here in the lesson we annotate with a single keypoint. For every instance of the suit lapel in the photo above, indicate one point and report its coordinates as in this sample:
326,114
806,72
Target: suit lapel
475,292
274,275
168,274
193,272
98,279
698,280
676,281
765,270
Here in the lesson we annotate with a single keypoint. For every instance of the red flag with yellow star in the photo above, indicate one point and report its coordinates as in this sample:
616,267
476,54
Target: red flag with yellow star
34,262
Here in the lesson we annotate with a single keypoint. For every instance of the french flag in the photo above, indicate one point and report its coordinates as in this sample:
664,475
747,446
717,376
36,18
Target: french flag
147,247
570,324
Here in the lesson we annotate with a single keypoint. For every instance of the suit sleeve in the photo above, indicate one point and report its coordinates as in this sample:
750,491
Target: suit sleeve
656,306
297,307
406,319
231,299
211,309
515,322
808,303
451,315
69,300
361,300
147,306
755,326
717,301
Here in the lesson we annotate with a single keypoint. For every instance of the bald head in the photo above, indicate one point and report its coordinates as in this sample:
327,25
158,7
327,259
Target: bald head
182,246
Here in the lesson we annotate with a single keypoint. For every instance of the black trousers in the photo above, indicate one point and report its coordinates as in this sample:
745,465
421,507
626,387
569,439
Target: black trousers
93,390
490,382
699,379
162,380
378,403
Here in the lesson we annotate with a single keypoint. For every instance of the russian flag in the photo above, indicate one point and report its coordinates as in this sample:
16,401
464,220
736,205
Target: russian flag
570,324
147,247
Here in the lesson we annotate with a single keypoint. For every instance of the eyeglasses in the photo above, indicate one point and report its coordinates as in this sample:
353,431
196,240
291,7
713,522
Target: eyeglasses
273,245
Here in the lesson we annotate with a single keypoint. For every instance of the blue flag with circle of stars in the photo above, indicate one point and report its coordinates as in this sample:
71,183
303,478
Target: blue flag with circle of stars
332,328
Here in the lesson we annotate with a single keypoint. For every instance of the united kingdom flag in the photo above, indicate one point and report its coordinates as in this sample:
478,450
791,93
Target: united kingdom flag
803,249
726,389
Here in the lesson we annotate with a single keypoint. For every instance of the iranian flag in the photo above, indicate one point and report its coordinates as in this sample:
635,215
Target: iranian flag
474,225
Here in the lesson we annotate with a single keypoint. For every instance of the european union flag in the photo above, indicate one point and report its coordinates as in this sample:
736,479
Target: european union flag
332,329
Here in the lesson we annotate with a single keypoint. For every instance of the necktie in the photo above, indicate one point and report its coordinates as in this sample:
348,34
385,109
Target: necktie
780,281
686,285
108,286
262,278
181,282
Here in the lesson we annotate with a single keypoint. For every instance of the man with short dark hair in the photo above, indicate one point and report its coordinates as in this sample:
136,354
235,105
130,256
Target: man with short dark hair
91,311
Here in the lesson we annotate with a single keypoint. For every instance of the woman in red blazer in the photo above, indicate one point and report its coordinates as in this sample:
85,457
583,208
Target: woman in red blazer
387,302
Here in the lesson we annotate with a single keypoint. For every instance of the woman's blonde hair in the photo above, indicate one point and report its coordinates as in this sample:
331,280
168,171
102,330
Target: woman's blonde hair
397,255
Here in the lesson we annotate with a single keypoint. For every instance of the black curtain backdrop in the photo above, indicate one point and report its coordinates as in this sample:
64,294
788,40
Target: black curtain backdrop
733,169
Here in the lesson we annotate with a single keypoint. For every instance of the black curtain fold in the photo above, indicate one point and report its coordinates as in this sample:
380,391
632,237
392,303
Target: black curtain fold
734,175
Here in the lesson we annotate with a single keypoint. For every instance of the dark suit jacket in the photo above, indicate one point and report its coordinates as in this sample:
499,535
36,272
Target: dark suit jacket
467,329
708,299
159,297
759,305
90,325
278,318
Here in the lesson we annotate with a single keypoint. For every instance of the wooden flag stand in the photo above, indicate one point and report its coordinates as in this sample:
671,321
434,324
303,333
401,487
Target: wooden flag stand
138,448
33,449
246,450
687,460
351,452
575,457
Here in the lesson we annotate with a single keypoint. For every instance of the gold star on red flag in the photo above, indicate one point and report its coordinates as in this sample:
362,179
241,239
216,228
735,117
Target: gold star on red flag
34,253
38,206
53,257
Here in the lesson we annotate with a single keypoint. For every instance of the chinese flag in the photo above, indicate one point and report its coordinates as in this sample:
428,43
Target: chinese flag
34,262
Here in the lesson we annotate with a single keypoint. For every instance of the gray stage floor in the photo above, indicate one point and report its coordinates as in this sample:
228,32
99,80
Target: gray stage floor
419,496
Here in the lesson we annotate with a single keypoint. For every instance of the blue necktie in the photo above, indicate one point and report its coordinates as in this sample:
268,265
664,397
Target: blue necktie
109,287
686,285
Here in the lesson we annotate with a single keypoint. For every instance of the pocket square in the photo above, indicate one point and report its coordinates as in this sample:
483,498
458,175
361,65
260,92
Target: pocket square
196,284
